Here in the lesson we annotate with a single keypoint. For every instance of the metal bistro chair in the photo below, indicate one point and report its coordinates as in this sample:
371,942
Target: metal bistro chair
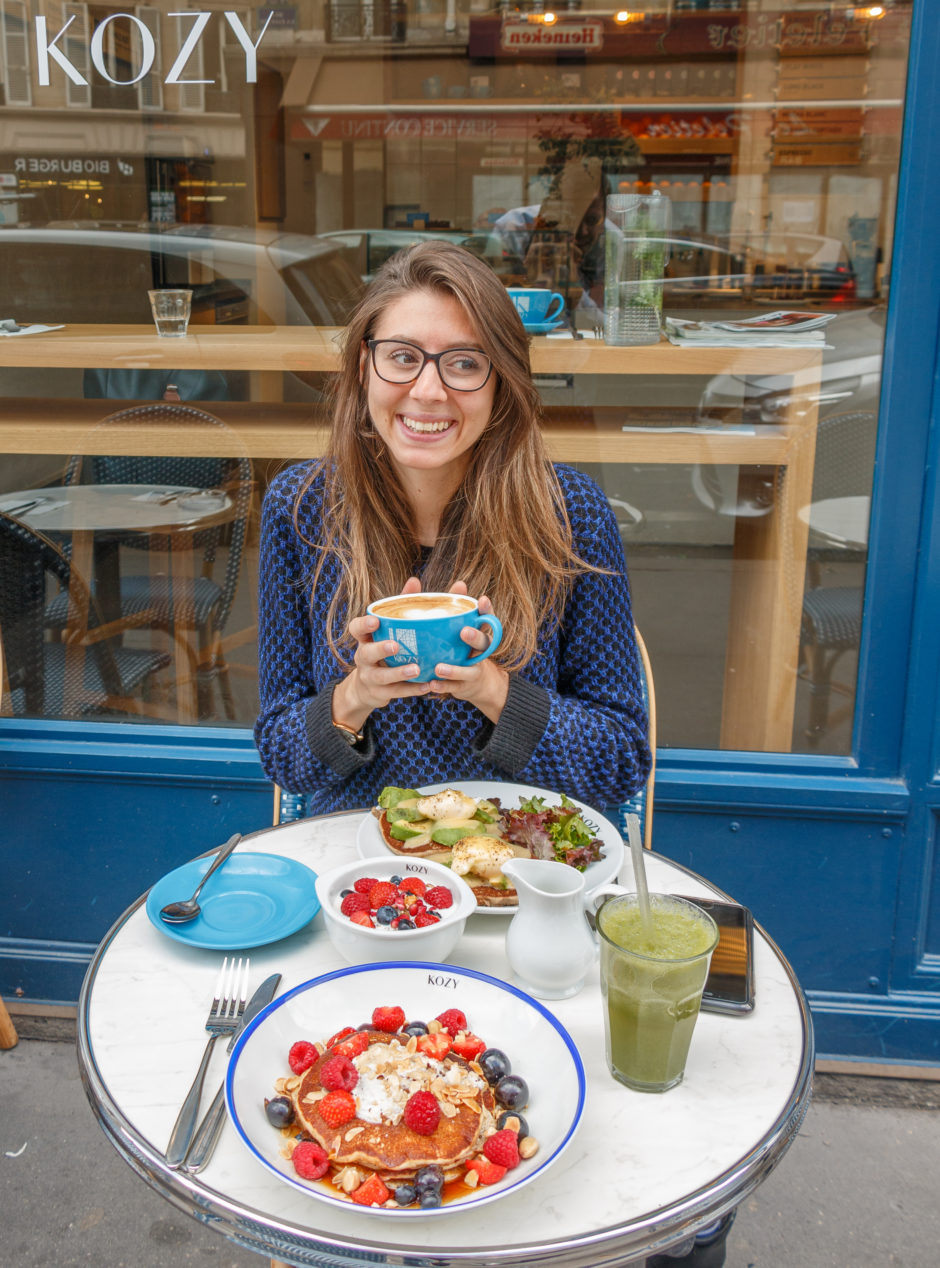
206,604
832,614
82,674
289,807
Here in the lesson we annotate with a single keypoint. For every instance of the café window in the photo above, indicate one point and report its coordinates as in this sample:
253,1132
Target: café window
270,160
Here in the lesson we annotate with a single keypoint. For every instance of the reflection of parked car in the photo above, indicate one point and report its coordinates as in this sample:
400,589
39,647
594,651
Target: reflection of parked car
850,384
785,269
368,249
79,273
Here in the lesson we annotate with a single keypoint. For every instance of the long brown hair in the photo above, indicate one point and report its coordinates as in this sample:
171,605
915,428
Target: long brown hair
505,531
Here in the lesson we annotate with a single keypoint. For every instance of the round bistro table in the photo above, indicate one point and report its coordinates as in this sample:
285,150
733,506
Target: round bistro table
643,1173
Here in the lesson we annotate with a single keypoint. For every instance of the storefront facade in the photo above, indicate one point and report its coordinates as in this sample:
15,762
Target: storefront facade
777,504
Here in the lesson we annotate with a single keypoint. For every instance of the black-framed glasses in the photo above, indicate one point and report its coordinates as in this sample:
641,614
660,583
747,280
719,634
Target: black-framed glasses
397,361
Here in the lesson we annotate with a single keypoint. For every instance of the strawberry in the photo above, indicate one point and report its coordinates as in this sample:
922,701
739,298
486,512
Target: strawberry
452,1019
337,1108
424,918
435,1046
381,895
310,1160
364,884
503,1148
489,1172
338,1074
354,902
468,1045
357,1042
372,1192
340,1034
413,885
301,1056
439,896
422,1113
362,918
389,1019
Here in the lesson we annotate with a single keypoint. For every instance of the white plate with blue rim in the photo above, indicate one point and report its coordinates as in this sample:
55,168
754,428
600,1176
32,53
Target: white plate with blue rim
371,843
538,1046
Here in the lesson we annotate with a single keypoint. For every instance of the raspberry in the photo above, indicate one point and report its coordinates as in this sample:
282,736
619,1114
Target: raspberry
354,902
362,918
489,1172
364,884
422,920
422,1113
453,1020
413,885
388,1019
357,1042
337,1108
310,1160
439,896
502,1148
339,1074
301,1056
381,894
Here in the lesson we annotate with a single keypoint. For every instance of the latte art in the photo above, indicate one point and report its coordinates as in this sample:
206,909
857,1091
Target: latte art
410,607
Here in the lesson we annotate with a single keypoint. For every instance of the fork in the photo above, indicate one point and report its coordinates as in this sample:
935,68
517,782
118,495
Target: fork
228,1004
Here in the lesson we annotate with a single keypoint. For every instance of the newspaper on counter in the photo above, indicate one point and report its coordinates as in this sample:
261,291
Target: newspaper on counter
780,329
9,327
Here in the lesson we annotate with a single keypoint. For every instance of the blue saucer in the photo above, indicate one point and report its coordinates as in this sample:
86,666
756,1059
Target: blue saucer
253,899
543,327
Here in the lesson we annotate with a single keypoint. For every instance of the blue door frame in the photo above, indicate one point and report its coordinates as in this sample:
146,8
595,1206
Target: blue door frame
836,856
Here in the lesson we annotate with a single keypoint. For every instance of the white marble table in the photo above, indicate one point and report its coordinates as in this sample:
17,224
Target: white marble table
643,1173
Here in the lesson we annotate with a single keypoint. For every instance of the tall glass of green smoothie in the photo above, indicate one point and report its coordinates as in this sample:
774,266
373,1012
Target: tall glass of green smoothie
652,978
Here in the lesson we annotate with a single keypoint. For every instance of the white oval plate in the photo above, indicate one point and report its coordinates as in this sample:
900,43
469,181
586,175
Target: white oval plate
371,844
539,1047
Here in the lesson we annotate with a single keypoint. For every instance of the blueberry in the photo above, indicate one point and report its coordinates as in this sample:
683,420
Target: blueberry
394,880
495,1064
415,1028
512,1091
385,915
343,893
280,1111
503,1121
430,1199
429,1180
406,924
405,1194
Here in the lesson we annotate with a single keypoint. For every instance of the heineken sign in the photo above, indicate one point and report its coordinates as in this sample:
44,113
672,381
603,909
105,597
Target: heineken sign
49,48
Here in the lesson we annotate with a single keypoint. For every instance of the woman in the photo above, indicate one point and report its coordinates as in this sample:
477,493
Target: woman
435,478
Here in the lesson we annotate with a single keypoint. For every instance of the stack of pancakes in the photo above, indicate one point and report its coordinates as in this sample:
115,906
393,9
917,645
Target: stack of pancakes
377,1139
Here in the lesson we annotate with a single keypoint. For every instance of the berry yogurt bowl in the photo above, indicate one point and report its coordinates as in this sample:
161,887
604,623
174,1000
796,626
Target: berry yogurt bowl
394,909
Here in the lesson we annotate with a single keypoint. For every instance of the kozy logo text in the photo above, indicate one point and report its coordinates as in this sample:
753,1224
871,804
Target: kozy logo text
48,50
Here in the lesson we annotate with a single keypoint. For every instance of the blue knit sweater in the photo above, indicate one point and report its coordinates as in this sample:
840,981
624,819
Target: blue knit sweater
574,720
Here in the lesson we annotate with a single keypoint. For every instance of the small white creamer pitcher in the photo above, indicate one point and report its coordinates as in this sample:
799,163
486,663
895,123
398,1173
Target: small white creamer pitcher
549,945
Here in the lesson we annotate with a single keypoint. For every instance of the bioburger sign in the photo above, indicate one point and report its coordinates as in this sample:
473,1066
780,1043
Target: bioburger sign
191,27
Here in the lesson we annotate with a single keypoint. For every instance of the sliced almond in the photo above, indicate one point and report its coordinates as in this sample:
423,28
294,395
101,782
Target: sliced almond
353,1133
448,1110
472,1179
528,1146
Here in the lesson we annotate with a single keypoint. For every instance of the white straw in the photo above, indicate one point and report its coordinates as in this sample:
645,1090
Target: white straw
639,873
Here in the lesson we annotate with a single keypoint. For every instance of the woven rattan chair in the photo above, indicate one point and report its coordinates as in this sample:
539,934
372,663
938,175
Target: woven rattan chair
83,673
206,604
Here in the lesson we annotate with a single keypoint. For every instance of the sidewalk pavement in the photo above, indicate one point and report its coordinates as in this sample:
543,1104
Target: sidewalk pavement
856,1189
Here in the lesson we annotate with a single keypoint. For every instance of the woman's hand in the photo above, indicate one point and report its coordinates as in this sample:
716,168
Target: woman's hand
371,684
484,685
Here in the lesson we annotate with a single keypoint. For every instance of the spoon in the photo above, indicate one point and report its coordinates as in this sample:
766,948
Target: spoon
179,913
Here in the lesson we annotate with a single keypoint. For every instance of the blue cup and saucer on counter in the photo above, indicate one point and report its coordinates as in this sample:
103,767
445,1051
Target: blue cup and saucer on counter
541,310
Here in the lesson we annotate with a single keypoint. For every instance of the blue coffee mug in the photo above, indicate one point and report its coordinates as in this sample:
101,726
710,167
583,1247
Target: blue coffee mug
533,304
427,628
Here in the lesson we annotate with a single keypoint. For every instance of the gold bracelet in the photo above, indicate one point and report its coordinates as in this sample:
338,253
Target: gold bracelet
352,737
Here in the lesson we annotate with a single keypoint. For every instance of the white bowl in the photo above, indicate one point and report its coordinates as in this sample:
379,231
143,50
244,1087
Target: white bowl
358,944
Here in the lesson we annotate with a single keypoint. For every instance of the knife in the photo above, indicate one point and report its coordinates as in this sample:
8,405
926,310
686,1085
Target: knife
207,1135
